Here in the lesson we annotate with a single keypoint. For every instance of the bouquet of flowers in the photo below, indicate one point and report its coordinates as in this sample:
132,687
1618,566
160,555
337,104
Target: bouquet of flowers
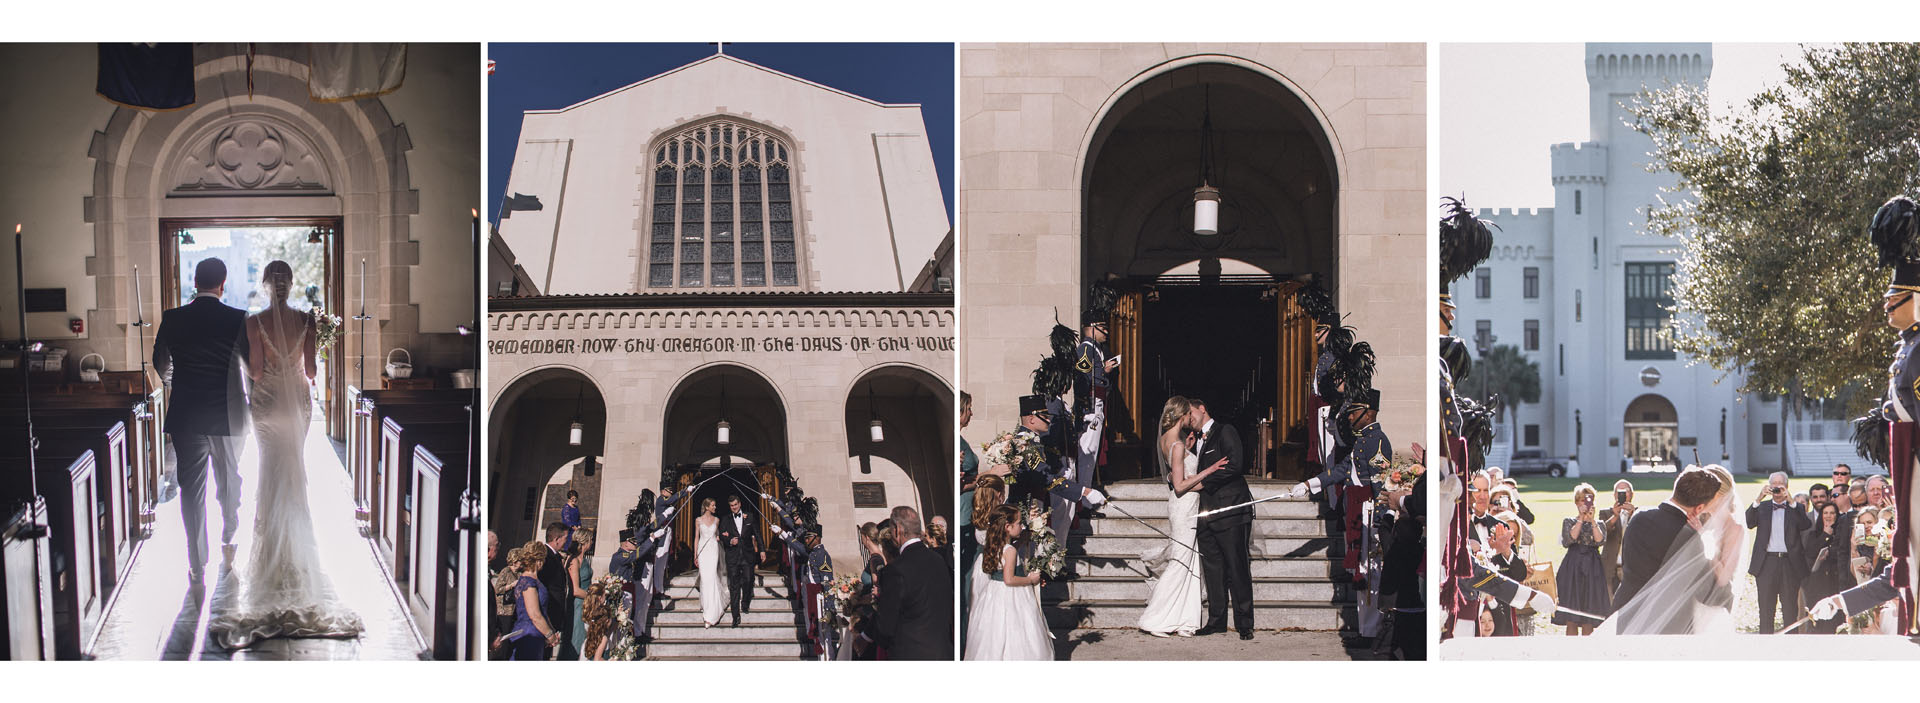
623,646
1402,474
843,590
326,329
1019,451
1049,555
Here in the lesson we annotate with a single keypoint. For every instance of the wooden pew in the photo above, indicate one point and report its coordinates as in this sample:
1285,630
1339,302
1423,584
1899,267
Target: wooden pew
401,429
130,464
26,575
439,479
363,442
67,478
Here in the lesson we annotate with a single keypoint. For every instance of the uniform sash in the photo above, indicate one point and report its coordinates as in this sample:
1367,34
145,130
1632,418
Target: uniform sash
1354,519
1455,562
1900,467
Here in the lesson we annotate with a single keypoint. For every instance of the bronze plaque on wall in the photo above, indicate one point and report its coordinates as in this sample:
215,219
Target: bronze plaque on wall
872,494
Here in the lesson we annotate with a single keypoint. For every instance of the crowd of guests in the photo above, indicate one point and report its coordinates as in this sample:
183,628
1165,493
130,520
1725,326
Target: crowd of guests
1804,547
549,604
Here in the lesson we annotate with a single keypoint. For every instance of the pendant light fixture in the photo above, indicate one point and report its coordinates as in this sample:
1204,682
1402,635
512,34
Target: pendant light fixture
873,427
723,432
574,431
1206,198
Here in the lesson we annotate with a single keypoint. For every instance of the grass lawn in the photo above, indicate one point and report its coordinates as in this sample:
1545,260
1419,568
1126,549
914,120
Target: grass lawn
1551,500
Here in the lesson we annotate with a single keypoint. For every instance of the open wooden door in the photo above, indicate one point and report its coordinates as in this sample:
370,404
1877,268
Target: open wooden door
1129,417
1296,355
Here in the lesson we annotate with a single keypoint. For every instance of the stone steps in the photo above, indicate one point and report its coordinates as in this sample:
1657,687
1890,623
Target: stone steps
1156,489
1118,526
1123,588
1267,615
704,649
1090,565
723,632
1262,546
770,629
1156,507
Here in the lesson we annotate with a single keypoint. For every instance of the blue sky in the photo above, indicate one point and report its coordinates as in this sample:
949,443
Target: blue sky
550,76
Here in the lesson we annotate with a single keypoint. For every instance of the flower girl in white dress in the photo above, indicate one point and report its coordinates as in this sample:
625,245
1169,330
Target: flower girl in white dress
1006,623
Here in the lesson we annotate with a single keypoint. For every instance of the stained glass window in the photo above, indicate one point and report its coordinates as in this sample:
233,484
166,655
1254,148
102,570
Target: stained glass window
726,189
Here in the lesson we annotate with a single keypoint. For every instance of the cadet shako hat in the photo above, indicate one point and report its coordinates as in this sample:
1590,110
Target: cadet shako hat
1897,238
1465,242
1033,405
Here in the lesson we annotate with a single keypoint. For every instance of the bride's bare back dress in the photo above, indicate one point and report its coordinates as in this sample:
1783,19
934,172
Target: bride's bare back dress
282,591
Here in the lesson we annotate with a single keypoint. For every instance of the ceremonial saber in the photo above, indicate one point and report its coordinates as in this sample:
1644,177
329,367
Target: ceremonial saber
1205,513
1796,623
1170,538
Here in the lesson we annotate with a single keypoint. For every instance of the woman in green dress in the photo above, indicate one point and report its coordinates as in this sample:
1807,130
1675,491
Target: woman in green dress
580,575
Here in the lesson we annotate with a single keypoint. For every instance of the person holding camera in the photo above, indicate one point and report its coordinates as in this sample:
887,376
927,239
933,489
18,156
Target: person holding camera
1778,558
1613,523
1581,583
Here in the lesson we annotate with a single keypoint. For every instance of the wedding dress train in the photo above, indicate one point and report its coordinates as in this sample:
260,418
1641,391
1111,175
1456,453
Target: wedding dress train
713,581
282,591
1175,606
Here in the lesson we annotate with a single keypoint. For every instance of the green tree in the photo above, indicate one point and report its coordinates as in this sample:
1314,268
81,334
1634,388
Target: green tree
1509,376
1776,276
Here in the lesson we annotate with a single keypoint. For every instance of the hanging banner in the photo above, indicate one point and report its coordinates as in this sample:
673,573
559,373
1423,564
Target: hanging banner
147,76
339,72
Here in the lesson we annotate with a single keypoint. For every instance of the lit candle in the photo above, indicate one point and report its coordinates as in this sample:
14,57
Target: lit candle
363,287
139,313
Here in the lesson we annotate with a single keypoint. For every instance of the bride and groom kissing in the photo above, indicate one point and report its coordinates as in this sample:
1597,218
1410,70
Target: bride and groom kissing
226,369
1678,561
1214,551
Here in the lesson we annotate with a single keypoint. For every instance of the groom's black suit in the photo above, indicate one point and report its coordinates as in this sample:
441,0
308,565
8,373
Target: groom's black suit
1225,538
1654,539
198,350
741,558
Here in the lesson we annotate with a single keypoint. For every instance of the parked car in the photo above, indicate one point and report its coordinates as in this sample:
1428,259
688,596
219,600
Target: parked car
1531,461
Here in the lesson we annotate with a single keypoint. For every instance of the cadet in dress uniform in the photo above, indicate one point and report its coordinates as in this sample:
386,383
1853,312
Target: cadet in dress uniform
816,574
1033,483
628,561
1091,388
1465,242
1318,304
1352,480
1896,233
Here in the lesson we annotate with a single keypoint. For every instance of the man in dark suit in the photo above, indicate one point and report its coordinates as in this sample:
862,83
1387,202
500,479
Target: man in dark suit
1777,560
915,614
1662,535
553,575
1225,538
198,352
740,539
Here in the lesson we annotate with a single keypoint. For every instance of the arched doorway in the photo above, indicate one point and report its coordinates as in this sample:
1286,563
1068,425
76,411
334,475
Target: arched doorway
1210,316
912,464
749,458
531,442
1652,431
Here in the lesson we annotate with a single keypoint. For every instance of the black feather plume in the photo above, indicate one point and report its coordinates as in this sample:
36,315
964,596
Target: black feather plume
1465,240
642,513
1870,437
1476,426
1317,303
1054,376
1101,297
1894,231
1340,339
1062,340
1357,367
1453,350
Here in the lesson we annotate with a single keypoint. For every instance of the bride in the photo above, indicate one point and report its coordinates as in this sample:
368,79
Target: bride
1175,605
283,591
713,584
1692,591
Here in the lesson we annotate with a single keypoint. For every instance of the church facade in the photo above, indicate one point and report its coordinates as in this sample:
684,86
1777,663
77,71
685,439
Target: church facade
1080,165
726,277
1583,289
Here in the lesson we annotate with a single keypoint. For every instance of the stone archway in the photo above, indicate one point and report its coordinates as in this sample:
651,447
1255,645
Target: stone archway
529,440
341,159
753,458
1274,162
1651,433
912,465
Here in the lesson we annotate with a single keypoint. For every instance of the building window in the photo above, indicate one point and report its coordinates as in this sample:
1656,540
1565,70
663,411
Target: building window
1530,282
1530,340
1482,335
1576,306
1576,202
1770,433
1532,433
719,188
1483,283
1563,359
1649,297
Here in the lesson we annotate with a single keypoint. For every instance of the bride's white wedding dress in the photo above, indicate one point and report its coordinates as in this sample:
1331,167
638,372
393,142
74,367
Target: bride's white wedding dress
282,591
1176,607
1672,601
713,580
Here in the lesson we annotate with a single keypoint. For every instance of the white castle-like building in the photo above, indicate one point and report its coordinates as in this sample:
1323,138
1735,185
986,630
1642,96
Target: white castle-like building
1582,288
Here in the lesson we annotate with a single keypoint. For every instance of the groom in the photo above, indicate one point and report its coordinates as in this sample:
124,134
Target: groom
740,536
1224,538
198,352
1662,536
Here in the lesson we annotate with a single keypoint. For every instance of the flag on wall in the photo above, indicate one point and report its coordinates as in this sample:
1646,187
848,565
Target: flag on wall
338,72
147,76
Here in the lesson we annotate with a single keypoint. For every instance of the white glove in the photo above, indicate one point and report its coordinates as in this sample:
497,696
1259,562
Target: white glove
1090,439
662,532
1542,603
764,496
670,510
1827,608
782,533
1299,490
1094,498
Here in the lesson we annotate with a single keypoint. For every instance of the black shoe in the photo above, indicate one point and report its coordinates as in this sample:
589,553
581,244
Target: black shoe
1246,634
1209,630
1358,642
736,621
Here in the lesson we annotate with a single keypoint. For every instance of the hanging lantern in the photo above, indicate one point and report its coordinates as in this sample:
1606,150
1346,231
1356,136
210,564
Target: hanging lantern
723,433
873,430
573,434
1206,210
575,431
